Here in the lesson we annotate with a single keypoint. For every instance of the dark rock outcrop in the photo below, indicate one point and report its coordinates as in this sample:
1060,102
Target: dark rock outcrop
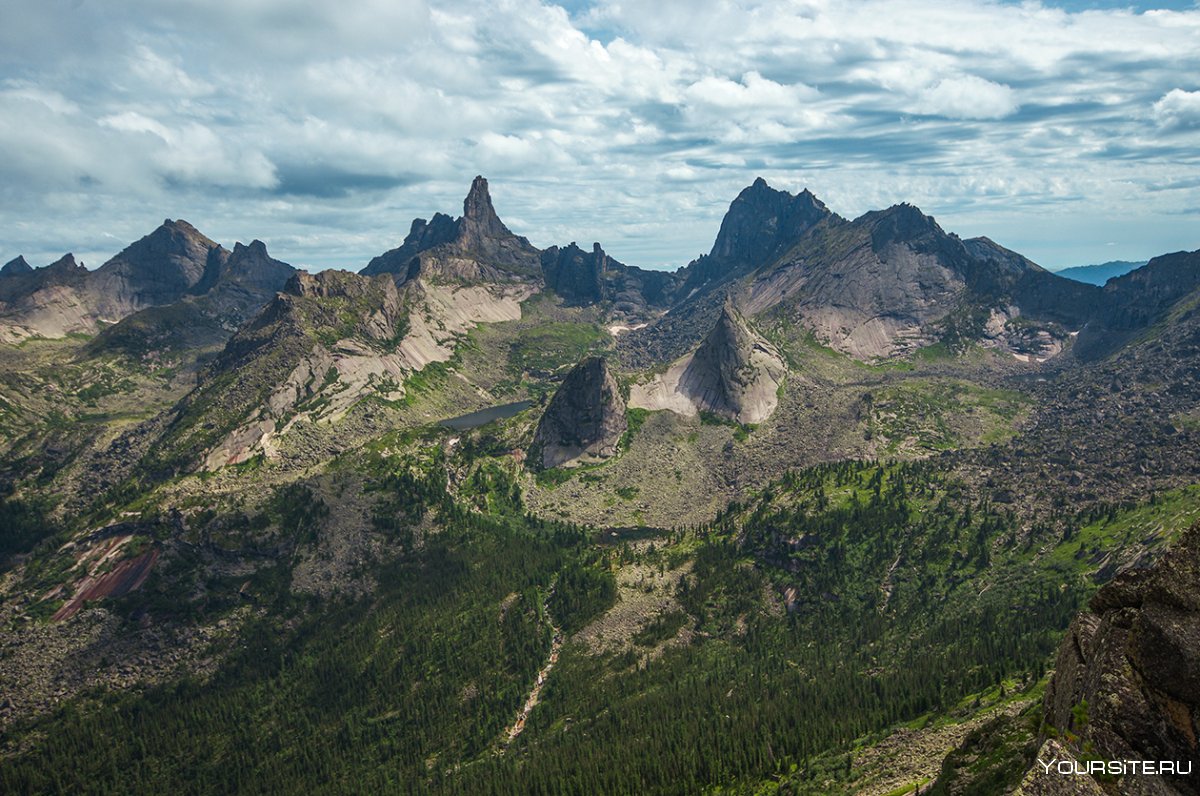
16,266
234,287
585,419
253,269
165,266
1130,304
422,236
574,274
162,267
583,278
759,227
475,247
1127,678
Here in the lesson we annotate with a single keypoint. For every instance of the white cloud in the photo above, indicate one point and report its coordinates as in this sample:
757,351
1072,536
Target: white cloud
192,153
967,97
754,93
333,125
1178,108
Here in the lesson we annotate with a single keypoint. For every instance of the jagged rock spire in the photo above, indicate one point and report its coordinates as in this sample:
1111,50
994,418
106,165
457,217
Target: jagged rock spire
476,246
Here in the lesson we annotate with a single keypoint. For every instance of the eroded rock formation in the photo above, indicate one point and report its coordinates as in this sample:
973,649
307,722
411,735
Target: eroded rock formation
585,419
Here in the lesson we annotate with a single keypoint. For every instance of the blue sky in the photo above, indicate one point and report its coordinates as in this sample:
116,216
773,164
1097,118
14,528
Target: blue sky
1069,131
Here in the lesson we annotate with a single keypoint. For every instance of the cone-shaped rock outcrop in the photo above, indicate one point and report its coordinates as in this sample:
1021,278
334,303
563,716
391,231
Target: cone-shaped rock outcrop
585,419
734,373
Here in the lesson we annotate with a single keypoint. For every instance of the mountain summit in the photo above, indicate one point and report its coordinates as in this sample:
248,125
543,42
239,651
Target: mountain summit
734,374
16,266
762,223
474,247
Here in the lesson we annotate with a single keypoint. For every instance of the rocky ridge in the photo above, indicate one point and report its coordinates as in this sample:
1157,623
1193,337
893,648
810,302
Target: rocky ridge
583,278
474,247
329,340
229,294
15,267
63,298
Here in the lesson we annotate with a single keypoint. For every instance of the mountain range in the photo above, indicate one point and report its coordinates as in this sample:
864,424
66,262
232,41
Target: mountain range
1101,273
482,517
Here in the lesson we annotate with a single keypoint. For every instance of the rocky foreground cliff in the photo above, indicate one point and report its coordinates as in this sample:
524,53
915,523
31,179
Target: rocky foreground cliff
1126,684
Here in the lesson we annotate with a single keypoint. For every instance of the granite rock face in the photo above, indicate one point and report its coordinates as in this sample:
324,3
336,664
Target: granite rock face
574,274
761,224
474,247
585,419
734,373
163,267
1134,659
583,278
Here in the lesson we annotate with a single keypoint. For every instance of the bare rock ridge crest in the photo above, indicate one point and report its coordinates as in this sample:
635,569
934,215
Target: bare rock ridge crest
476,246
584,421
15,266
173,263
883,285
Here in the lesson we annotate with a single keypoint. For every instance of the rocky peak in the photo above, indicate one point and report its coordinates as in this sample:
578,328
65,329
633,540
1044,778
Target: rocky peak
19,284
762,223
67,264
479,216
735,373
16,266
585,419
422,236
160,268
256,248
438,230
904,223
477,246
574,274
250,267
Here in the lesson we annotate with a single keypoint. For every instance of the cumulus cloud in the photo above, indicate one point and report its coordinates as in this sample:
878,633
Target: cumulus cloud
626,121
967,97
1178,108
193,154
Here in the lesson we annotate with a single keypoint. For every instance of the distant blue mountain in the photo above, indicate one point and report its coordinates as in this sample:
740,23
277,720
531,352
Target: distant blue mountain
1099,274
